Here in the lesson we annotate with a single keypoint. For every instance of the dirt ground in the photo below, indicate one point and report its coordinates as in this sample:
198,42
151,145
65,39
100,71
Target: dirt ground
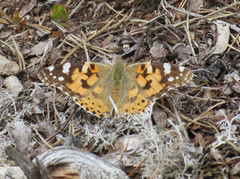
193,130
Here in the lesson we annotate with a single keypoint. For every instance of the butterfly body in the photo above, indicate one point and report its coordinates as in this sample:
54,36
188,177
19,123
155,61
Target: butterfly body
126,88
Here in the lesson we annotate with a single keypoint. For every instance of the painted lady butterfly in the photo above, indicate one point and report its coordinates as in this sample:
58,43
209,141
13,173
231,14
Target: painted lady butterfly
126,88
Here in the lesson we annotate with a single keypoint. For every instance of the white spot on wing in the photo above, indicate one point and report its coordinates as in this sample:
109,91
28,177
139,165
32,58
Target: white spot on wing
66,67
149,68
85,68
50,73
167,68
181,69
60,78
170,79
51,68
54,77
177,77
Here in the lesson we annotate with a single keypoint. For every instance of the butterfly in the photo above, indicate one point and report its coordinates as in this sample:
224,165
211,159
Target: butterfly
127,89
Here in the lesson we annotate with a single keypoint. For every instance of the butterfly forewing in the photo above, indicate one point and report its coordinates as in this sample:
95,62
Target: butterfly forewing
156,79
83,82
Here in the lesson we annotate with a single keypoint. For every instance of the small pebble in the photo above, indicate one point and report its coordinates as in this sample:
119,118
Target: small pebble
13,83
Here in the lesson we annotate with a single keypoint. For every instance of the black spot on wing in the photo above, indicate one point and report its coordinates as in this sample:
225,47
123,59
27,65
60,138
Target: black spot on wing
85,84
148,85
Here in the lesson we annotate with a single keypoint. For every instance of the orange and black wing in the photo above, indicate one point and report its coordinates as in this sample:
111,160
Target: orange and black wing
81,81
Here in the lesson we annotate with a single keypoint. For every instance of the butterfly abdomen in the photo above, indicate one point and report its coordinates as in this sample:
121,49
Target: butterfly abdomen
118,75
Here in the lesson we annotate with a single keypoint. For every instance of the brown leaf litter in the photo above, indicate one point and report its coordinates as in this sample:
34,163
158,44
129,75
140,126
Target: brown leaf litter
193,131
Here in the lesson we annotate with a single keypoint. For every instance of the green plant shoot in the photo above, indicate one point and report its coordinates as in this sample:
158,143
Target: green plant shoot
59,14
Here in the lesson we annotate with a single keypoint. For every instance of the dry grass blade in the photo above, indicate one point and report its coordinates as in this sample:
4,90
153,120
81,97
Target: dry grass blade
139,165
201,116
42,139
21,60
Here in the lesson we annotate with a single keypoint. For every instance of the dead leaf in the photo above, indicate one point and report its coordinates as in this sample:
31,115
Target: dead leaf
157,50
234,80
195,5
236,87
8,67
184,52
128,143
2,21
226,90
11,172
236,169
40,47
107,40
200,141
5,34
233,77
26,9
223,33
215,153
21,134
